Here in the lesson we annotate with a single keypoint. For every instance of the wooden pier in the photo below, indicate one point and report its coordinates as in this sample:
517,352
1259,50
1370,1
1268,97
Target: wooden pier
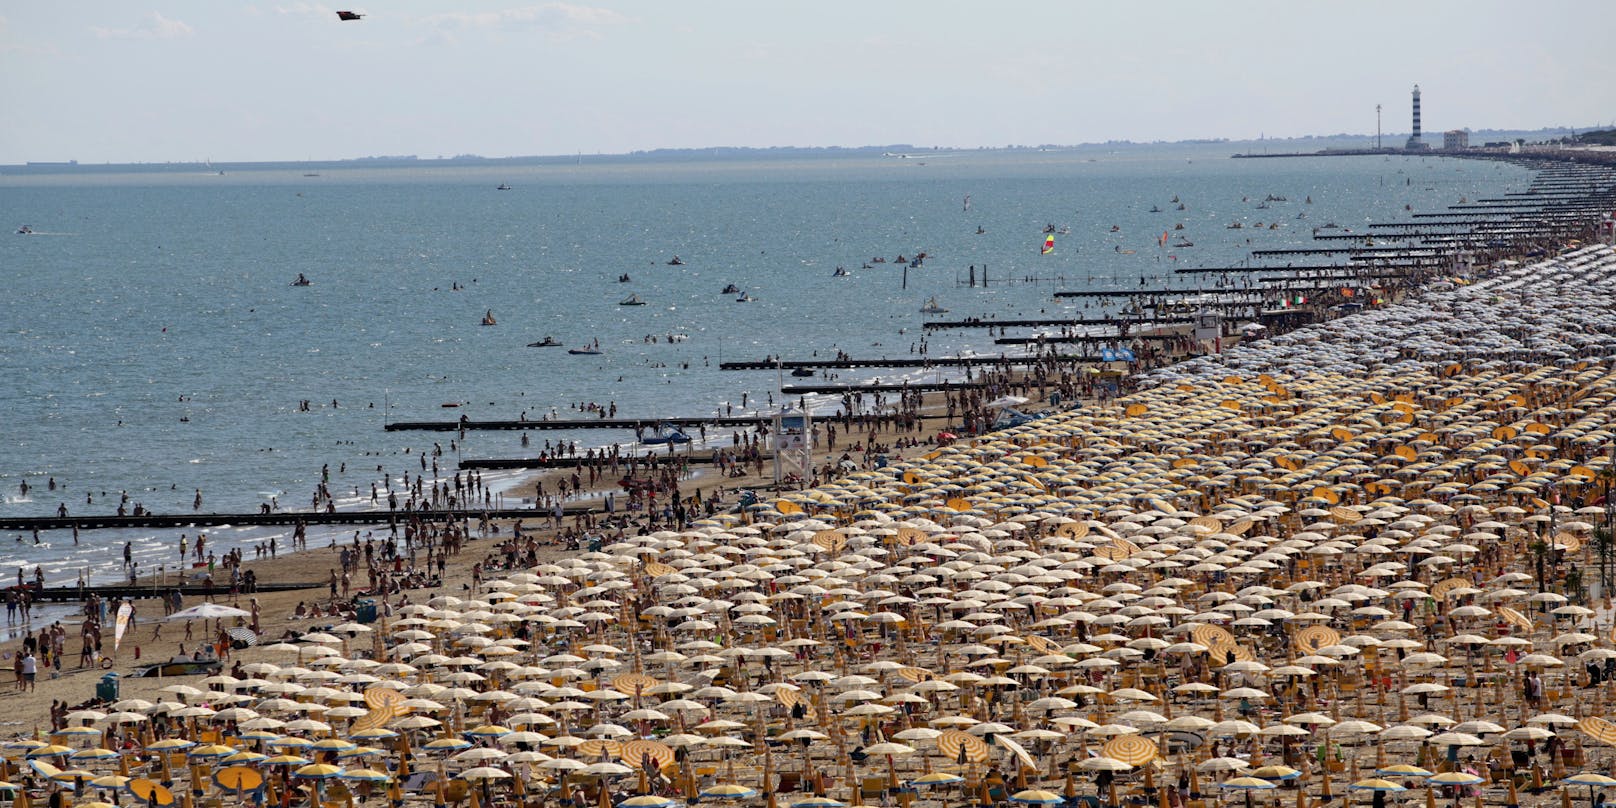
271,519
899,387
1001,360
113,592
468,425
945,324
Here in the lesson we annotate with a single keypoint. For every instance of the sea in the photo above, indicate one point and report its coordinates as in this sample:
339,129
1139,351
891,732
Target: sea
153,345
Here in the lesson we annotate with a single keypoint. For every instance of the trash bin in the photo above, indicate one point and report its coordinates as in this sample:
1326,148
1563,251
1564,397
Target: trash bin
107,688
366,610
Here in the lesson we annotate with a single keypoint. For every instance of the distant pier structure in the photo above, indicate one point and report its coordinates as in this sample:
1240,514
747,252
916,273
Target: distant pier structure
1414,142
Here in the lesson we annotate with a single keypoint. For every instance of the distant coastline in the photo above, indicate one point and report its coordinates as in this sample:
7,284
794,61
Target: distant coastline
1309,142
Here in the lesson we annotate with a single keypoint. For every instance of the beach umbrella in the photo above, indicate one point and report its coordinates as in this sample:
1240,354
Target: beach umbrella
933,779
646,801
1248,785
1592,780
1376,784
1034,796
818,802
150,792
366,776
93,754
1403,770
239,779
728,791
208,611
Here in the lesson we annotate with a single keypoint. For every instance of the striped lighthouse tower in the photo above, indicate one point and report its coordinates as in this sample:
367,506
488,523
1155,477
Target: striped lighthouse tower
1414,142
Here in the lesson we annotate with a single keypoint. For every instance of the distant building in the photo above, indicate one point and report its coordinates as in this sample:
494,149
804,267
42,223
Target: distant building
1414,142
1455,140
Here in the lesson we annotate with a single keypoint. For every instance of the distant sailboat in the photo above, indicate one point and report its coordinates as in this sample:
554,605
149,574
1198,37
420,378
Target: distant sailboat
1049,244
933,307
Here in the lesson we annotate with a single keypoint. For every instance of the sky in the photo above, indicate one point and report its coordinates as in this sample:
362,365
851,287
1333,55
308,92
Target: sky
249,80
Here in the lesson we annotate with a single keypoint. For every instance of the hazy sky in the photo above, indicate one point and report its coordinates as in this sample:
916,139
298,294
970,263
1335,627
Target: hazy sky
156,80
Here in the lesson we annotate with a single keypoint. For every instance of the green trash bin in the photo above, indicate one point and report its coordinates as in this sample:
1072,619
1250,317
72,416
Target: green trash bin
107,688
365,611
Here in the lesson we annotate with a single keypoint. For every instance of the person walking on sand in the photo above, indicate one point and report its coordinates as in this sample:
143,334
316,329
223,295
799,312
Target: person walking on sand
30,669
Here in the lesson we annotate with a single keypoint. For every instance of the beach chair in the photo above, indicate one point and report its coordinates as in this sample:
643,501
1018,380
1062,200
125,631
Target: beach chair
789,782
872,787
418,781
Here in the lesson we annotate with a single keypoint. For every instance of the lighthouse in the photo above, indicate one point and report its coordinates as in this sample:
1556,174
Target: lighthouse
1414,142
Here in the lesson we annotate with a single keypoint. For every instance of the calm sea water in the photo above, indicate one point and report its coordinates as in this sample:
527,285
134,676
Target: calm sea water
151,342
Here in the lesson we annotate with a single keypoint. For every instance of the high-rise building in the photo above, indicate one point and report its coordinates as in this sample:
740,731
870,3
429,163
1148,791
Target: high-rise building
1455,140
1414,142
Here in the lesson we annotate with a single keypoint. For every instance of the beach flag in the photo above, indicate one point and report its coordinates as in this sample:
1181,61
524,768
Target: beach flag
1049,244
1163,242
121,623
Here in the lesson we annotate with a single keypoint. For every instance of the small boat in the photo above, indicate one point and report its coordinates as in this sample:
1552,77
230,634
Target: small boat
746,297
1049,228
623,278
502,187
1154,209
662,435
449,404
675,262
933,307
802,373
302,281
311,174
488,319
841,272
1184,243
587,350
1234,226
631,300
180,667
547,342
25,230
731,289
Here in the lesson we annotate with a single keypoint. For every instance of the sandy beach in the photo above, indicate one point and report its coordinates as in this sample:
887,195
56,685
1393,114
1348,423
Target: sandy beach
1357,557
